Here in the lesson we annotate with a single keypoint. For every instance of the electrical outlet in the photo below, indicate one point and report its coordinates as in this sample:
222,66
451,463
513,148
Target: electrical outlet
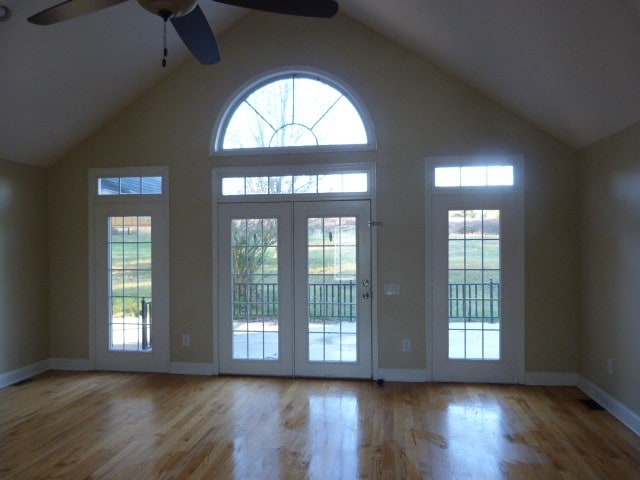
610,366
186,340
406,345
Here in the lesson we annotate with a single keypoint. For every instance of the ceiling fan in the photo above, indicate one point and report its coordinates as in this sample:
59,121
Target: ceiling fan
188,18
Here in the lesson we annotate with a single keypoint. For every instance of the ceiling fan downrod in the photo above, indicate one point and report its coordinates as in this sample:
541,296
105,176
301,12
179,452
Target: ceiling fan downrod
167,10
166,15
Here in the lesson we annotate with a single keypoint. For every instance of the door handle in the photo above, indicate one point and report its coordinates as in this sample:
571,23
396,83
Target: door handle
365,295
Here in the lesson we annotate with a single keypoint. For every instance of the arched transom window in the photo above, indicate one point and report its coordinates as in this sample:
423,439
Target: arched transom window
294,110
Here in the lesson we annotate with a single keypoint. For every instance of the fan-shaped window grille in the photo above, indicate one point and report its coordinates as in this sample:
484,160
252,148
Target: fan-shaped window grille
294,110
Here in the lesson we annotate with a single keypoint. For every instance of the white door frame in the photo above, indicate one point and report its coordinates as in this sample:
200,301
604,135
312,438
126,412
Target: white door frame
100,209
217,176
511,201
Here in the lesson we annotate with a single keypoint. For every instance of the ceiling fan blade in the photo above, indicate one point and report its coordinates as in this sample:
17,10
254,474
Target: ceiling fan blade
302,8
70,9
195,32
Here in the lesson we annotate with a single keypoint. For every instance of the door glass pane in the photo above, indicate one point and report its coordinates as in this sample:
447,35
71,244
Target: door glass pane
130,287
331,286
254,271
474,284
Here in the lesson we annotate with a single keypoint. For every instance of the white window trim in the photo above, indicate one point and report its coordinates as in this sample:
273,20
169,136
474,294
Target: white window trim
94,201
240,94
475,161
513,192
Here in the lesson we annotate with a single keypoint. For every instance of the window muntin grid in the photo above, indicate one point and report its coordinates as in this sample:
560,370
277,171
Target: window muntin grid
130,283
474,284
304,184
147,185
293,110
332,293
473,176
255,297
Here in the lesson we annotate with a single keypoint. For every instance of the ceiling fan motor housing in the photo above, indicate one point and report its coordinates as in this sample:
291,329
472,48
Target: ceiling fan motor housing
176,8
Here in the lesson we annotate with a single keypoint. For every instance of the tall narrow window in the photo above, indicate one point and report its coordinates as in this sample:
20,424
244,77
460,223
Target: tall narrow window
476,264
474,284
254,266
130,280
294,110
129,262
332,289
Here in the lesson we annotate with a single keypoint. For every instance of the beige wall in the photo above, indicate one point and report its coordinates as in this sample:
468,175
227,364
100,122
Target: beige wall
418,111
24,325
610,294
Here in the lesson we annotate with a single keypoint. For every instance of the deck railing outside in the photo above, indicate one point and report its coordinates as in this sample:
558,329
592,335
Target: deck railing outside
470,302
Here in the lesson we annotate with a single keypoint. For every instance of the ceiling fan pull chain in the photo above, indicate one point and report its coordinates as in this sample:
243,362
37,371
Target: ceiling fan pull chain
164,40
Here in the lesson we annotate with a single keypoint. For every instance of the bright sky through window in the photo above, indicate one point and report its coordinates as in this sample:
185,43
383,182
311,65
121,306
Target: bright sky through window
474,176
294,111
357,182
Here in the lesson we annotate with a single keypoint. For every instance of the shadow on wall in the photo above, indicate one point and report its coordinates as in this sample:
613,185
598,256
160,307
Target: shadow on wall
614,254
6,195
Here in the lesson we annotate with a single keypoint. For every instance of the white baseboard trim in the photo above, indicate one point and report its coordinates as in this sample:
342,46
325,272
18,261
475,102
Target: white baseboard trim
22,373
186,368
416,375
556,379
616,408
77,364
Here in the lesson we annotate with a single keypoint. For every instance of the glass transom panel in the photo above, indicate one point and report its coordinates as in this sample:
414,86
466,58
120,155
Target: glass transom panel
474,176
305,184
151,185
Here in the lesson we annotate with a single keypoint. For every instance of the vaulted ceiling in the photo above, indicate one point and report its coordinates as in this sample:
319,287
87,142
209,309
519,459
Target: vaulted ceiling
571,67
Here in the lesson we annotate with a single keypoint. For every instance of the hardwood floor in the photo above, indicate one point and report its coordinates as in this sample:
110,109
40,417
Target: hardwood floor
152,426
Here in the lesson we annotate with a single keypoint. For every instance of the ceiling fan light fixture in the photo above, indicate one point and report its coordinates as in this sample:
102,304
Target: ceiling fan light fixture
177,8
5,13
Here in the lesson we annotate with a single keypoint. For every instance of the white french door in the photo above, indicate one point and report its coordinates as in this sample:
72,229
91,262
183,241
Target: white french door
294,289
131,287
255,289
332,271
477,289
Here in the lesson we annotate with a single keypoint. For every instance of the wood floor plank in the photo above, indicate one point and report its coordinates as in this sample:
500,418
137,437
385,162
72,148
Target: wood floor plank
153,426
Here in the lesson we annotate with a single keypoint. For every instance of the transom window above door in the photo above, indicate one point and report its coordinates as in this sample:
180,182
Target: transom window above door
481,175
294,110
149,185
354,182
294,181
